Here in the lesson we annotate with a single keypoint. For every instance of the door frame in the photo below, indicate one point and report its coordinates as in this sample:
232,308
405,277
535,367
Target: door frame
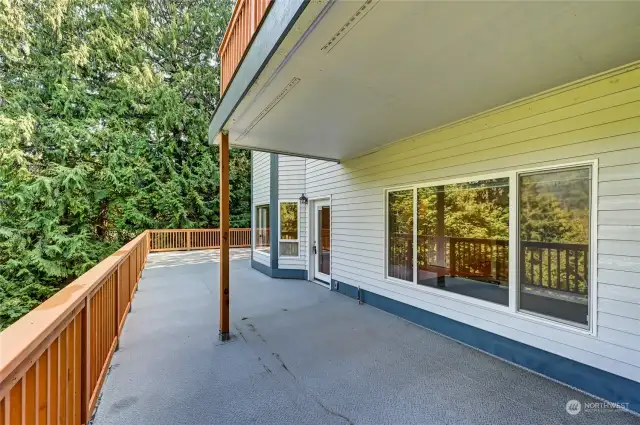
311,232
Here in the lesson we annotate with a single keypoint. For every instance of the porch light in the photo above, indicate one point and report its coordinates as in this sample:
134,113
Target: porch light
303,199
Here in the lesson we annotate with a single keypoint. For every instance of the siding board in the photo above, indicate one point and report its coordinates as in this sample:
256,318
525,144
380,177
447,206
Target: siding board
620,323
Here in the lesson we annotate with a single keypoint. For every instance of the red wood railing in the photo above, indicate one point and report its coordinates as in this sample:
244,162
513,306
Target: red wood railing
244,22
54,360
192,239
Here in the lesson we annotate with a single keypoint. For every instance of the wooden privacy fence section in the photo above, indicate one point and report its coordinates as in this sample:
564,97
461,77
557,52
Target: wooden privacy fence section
190,239
53,361
247,15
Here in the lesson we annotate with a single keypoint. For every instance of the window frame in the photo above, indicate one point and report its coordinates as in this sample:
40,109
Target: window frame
255,226
514,285
386,234
592,301
280,240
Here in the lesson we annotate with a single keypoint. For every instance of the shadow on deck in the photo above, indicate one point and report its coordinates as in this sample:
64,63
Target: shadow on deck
304,355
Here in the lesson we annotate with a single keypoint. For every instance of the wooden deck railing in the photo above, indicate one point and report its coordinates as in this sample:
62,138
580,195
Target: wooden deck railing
246,17
53,360
191,239
548,265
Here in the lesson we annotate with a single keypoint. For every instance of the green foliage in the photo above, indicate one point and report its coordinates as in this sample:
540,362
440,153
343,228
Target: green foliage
104,109
289,220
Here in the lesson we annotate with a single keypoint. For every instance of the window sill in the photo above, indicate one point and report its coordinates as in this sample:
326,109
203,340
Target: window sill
533,318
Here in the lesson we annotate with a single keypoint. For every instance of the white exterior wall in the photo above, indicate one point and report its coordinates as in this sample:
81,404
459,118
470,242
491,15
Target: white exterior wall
261,182
598,119
291,184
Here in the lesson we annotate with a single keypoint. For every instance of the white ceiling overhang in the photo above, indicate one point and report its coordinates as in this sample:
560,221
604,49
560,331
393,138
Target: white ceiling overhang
352,76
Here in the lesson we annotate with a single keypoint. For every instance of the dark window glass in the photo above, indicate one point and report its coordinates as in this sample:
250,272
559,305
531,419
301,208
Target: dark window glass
554,243
400,235
463,239
324,259
262,234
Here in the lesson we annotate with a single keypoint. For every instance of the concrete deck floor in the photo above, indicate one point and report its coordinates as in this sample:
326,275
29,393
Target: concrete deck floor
304,355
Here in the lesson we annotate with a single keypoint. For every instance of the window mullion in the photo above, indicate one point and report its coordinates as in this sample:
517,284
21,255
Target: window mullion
514,281
415,235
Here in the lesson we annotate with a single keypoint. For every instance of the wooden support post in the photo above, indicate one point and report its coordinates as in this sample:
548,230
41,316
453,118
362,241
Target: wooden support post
224,237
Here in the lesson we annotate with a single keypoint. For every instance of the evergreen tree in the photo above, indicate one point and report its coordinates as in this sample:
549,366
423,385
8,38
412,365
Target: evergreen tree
104,109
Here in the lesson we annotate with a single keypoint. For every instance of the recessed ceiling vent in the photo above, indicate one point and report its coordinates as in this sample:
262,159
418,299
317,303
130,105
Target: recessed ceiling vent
270,106
362,11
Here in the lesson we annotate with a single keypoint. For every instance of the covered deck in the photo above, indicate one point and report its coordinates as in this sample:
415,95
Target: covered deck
301,354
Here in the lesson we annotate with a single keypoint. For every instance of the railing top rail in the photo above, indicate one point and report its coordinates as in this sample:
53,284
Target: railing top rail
195,230
19,340
229,30
538,244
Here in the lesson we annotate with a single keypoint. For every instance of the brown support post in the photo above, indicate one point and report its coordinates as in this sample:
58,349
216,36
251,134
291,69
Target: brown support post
188,240
224,236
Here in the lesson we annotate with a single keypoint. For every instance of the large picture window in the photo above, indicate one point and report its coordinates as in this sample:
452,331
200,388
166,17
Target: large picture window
289,229
262,235
519,239
400,235
554,228
463,239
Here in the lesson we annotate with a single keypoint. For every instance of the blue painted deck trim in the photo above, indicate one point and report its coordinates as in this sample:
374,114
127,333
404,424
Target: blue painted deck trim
279,273
597,382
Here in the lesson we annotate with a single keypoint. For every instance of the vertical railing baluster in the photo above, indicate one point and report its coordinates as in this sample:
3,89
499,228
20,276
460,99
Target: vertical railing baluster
540,259
566,267
586,271
576,271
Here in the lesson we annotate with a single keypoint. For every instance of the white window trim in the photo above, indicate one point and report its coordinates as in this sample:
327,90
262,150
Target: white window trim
386,234
280,240
255,225
512,308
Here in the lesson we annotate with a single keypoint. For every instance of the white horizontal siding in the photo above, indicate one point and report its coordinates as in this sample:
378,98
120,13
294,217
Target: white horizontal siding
261,191
262,258
261,177
597,119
